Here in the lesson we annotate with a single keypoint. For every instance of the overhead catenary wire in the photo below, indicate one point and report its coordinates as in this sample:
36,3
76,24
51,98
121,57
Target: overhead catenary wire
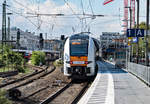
43,21
22,16
82,7
38,16
107,21
91,7
71,15
35,12
72,9
32,1
24,6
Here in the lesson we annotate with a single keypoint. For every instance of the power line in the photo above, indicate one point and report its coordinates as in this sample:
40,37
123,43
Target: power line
22,16
72,9
82,7
32,1
24,6
102,22
91,7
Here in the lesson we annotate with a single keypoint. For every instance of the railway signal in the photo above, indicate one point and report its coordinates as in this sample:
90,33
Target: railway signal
18,37
41,41
62,37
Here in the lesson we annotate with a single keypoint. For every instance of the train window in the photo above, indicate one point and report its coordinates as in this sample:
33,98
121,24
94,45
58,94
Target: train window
79,49
79,45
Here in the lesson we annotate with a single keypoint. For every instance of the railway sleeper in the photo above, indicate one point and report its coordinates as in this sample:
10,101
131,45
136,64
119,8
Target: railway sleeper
14,94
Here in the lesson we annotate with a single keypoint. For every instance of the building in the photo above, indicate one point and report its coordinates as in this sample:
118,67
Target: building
53,44
113,46
28,40
107,38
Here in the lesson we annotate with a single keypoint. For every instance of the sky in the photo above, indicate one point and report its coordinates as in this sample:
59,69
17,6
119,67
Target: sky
70,23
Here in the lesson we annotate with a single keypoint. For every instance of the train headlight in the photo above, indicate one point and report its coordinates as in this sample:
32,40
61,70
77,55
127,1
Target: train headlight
69,62
87,62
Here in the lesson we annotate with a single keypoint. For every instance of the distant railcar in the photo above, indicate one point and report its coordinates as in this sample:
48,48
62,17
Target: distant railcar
27,55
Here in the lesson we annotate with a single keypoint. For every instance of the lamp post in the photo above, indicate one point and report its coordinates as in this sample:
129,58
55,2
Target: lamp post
8,34
4,23
147,28
138,10
4,37
130,51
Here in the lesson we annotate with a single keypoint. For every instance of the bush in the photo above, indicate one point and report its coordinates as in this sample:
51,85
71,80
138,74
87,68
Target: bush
58,62
11,58
37,58
3,99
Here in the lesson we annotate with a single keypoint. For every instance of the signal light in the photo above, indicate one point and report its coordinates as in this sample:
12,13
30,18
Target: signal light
62,37
86,62
71,62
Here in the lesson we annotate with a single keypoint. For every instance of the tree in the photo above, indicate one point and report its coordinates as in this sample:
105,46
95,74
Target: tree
142,45
8,57
38,58
142,25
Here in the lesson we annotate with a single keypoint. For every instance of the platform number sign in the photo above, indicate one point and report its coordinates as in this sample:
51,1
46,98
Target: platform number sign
130,32
139,32
135,32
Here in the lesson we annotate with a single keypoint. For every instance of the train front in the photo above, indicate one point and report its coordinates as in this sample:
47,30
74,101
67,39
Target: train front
79,56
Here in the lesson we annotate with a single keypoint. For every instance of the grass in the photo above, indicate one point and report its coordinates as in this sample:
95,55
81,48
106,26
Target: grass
3,99
58,63
28,70
6,69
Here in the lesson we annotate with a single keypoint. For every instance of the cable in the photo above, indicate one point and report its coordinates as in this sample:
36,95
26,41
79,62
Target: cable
91,7
119,17
82,7
24,6
105,22
72,10
32,1
22,16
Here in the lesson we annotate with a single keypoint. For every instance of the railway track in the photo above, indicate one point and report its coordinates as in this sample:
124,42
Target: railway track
35,92
69,94
13,87
15,72
21,79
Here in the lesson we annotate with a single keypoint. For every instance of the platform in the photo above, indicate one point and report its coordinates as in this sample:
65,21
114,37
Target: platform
116,86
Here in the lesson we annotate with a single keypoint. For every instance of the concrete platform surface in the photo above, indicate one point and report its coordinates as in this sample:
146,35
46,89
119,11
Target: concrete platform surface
116,86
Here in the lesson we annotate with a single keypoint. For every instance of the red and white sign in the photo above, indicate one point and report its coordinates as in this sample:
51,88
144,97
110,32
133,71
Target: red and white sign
125,22
132,5
107,1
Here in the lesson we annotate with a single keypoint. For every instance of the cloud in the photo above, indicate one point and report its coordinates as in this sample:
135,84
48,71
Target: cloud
61,25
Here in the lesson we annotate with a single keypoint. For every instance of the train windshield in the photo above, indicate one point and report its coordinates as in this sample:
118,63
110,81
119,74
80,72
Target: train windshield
79,46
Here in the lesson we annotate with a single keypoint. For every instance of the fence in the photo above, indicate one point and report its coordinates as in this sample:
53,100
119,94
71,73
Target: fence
141,71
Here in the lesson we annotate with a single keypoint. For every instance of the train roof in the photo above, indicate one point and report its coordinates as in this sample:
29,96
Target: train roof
80,36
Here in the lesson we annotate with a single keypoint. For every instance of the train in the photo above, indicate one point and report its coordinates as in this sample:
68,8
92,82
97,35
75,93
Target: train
27,55
81,52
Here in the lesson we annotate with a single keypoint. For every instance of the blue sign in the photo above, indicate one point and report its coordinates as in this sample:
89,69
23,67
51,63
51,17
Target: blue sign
139,32
135,40
135,32
130,32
